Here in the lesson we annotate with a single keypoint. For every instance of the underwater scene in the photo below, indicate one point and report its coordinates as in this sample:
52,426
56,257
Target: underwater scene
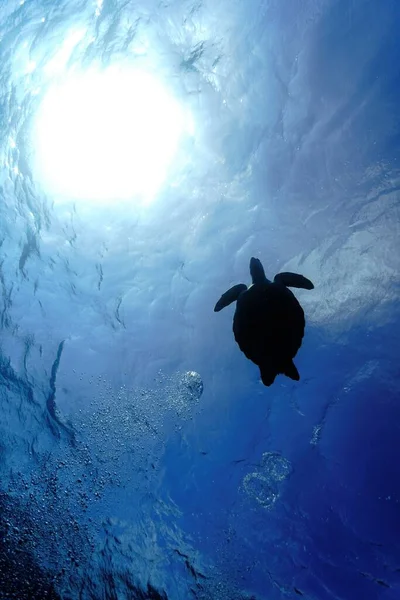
199,314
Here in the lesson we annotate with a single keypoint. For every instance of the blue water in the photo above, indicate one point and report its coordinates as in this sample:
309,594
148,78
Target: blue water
141,457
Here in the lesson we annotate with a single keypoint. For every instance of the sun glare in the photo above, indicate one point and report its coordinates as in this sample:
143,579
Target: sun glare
106,135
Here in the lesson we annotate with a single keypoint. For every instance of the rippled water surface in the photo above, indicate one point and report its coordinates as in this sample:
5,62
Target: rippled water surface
148,149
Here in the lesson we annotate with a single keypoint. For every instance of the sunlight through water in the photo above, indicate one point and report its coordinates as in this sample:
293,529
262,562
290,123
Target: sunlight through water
149,149
106,135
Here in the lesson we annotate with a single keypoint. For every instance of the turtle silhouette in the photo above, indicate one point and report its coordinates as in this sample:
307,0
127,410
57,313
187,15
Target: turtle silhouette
269,322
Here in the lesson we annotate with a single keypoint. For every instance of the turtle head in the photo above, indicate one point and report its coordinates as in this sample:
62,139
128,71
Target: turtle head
257,271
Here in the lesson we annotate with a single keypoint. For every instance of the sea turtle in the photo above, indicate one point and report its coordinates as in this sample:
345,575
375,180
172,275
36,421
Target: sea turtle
268,323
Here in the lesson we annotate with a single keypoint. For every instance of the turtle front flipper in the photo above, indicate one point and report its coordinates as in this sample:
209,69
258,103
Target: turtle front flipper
294,280
230,296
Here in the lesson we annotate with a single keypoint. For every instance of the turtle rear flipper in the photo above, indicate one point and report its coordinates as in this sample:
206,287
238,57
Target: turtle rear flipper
268,373
230,296
291,371
294,280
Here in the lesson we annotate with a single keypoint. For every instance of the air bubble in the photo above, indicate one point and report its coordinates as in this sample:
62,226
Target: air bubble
264,484
193,384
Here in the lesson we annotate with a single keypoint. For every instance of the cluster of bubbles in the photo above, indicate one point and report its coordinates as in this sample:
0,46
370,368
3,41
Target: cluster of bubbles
138,421
45,534
264,484
188,391
49,513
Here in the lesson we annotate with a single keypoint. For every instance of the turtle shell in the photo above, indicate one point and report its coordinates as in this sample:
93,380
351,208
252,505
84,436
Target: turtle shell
268,323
